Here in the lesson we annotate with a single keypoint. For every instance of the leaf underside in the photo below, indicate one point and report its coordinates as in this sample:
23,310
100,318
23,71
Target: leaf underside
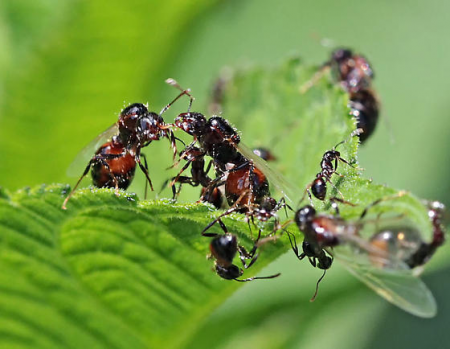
116,272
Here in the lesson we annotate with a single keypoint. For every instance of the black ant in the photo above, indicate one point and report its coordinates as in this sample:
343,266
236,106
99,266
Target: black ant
224,247
364,106
114,163
328,164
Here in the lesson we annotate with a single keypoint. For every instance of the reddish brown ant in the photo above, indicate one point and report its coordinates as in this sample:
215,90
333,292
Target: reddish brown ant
224,247
246,186
328,164
247,192
384,261
114,163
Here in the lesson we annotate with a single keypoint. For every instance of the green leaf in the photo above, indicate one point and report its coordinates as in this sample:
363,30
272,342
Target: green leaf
108,272
119,272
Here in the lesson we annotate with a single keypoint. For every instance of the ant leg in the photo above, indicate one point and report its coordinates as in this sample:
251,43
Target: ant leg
349,164
294,246
334,200
215,183
376,202
208,167
146,168
334,204
175,179
173,144
219,220
88,167
307,191
259,278
143,169
332,184
313,262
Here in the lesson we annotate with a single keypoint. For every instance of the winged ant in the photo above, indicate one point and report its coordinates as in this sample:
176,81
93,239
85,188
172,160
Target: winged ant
114,163
384,259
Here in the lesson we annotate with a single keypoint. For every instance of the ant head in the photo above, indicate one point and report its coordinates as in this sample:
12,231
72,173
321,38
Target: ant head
319,188
229,273
304,217
149,127
223,248
128,120
341,54
223,130
192,123
325,263
268,204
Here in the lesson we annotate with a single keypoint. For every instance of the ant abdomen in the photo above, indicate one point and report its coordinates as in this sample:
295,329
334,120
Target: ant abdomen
319,188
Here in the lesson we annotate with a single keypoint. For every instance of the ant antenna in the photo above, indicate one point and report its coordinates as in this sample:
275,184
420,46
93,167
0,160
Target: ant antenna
174,83
354,133
317,286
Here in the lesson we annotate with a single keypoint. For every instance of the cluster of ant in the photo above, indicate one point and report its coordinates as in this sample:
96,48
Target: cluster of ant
242,179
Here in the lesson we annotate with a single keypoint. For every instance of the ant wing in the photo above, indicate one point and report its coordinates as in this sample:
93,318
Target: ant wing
82,158
390,278
275,178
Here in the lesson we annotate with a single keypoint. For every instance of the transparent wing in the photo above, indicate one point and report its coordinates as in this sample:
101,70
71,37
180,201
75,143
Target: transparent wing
275,178
81,160
390,278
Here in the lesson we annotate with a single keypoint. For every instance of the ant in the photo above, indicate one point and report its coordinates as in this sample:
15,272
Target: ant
224,247
246,186
351,70
247,192
114,163
388,248
364,106
328,166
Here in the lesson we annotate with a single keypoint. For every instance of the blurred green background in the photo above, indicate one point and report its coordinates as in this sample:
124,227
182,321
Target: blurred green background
68,67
